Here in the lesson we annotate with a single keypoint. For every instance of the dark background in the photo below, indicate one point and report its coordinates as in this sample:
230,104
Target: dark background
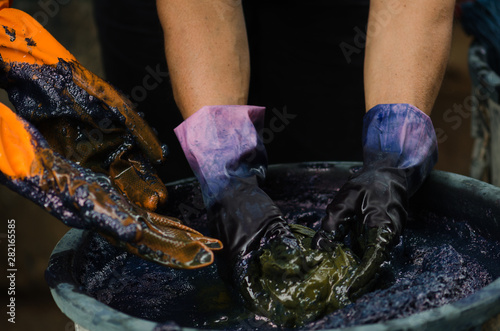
71,22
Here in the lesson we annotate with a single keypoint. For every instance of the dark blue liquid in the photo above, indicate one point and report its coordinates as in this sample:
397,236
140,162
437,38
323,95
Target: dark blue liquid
438,261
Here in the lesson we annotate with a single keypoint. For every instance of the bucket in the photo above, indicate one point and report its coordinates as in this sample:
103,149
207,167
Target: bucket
101,287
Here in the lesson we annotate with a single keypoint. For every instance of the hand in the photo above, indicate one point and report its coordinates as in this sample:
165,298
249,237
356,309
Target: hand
228,158
81,116
83,199
399,151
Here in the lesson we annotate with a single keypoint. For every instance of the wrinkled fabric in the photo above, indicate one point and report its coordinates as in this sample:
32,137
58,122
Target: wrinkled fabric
481,19
290,293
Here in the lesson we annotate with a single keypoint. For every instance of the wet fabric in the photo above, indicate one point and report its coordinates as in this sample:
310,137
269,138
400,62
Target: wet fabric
291,293
481,19
485,119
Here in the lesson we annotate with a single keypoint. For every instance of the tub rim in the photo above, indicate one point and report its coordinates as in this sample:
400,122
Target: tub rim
468,312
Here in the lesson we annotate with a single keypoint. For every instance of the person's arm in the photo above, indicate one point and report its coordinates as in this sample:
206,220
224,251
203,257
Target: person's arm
407,48
207,52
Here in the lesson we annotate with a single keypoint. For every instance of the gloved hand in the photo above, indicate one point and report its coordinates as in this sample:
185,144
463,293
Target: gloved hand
96,129
228,158
84,199
81,116
270,263
399,151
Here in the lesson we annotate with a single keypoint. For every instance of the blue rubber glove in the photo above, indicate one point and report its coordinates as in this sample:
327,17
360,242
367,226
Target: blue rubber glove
399,151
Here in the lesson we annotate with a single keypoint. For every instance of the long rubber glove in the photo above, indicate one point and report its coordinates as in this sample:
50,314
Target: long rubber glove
227,156
399,151
84,199
81,116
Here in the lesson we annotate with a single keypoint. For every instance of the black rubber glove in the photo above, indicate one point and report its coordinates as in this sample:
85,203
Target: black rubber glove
399,151
228,158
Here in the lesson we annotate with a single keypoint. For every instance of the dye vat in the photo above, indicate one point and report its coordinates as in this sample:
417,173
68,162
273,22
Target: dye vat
445,273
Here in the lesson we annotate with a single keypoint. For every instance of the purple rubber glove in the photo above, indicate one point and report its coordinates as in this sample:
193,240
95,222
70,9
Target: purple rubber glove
399,151
227,156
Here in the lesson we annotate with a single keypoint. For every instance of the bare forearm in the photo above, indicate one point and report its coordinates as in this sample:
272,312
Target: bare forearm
407,50
207,52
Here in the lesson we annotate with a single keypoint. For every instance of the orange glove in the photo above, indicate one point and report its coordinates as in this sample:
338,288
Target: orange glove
84,199
84,126
81,116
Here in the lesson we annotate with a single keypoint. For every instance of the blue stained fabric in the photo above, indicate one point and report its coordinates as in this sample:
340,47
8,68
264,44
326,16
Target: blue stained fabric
481,19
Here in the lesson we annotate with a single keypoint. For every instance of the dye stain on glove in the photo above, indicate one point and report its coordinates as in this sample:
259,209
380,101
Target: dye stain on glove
82,117
83,199
291,291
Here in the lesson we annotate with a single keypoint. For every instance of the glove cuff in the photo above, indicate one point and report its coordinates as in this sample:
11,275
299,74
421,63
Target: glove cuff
222,143
400,136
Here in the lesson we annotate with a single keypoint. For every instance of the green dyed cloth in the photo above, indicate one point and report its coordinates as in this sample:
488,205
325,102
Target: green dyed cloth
293,291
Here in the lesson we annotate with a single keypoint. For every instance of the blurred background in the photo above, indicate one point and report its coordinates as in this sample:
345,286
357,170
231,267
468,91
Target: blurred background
72,23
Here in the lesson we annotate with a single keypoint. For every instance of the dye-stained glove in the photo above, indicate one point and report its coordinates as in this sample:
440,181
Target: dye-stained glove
399,151
95,129
84,199
222,146
81,116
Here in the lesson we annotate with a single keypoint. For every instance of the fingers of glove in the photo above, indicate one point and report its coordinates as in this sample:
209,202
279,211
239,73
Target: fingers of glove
58,185
165,241
377,242
341,213
136,179
164,224
70,189
108,153
25,41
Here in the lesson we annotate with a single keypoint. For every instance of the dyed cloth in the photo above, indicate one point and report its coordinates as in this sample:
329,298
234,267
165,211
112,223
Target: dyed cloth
481,19
291,294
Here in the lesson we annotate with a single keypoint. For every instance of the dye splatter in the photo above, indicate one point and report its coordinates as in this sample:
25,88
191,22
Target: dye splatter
10,32
433,266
